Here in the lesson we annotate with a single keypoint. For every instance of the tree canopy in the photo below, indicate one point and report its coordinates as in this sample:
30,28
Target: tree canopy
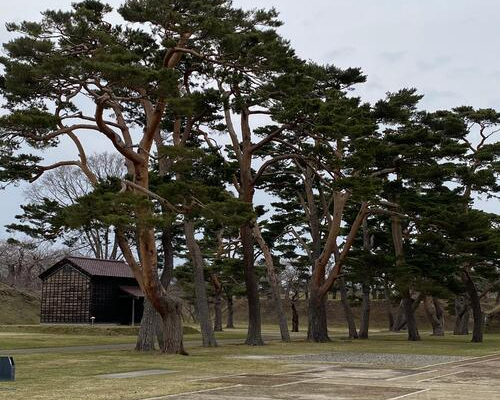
207,110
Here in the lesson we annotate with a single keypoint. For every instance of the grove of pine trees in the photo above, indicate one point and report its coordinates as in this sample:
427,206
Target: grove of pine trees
238,169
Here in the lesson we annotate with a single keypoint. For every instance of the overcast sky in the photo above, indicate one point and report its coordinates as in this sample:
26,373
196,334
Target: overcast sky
448,49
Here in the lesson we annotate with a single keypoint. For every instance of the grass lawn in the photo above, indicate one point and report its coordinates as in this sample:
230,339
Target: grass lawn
42,336
73,375
14,340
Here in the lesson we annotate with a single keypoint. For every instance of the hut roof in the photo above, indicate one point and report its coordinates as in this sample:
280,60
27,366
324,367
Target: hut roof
94,267
132,290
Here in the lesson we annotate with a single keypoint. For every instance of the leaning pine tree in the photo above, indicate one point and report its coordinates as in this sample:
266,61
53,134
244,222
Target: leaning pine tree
73,73
342,171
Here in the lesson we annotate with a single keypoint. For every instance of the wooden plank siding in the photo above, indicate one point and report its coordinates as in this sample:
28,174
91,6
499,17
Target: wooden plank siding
78,288
66,297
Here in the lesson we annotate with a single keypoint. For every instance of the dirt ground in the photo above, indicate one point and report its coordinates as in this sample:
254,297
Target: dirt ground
476,378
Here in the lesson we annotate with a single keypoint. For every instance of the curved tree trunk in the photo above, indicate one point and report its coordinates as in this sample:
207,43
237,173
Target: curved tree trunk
435,315
146,274
365,312
351,324
230,312
400,320
317,325
407,301
151,327
477,313
254,333
207,333
275,286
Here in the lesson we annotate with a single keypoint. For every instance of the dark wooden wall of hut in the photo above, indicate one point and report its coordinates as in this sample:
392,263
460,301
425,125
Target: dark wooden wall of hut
66,297
110,304
104,300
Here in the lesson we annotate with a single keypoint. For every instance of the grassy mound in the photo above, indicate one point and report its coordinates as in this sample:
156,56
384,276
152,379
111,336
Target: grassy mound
18,307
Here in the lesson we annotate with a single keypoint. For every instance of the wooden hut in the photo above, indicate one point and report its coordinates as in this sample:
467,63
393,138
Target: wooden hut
78,288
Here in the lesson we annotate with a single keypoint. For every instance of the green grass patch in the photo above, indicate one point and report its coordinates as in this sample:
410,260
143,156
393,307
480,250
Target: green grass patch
86,330
21,337
14,340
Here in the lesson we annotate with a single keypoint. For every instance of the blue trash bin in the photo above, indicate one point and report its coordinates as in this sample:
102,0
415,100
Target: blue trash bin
7,369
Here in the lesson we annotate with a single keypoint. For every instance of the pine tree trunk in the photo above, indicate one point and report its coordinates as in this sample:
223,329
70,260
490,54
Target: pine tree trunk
317,330
159,332
171,323
478,322
254,334
461,316
230,312
295,318
351,324
218,289
207,333
218,312
151,326
365,312
477,313
390,318
273,282
400,320
365,304
191,308
435,315
411,322
280,314
389,307
317,325
439,312
407,303
147,331
146,270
